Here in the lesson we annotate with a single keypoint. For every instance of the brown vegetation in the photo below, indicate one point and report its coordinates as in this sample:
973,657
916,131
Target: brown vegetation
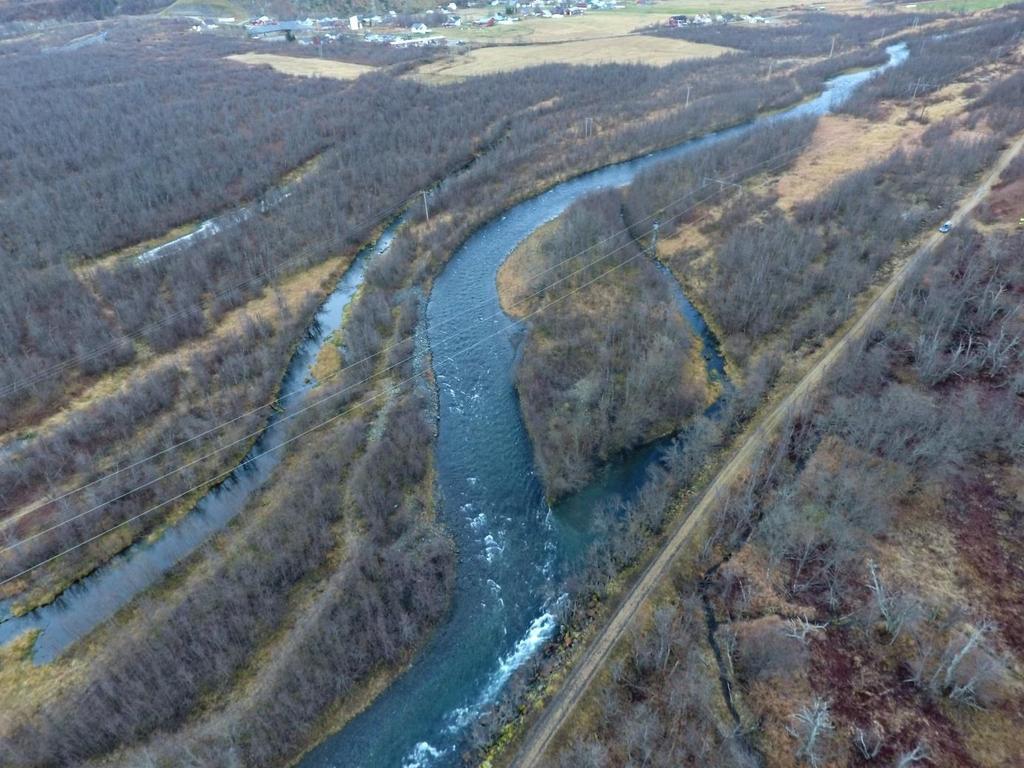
613,363
335,571
860,585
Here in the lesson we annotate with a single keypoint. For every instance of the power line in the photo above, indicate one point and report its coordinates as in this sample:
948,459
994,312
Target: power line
11,388
335,417
336,394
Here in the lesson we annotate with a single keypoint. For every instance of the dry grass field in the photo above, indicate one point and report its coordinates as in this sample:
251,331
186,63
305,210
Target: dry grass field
597,37
623,49
841,144
304,67
864,141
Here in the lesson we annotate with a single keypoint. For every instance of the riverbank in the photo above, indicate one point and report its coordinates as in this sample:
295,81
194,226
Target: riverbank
383,309
614,367
583,719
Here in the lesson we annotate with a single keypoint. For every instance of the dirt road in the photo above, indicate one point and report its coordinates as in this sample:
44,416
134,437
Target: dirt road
559,709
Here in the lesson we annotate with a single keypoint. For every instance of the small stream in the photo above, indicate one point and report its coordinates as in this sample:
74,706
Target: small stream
514,550
92,600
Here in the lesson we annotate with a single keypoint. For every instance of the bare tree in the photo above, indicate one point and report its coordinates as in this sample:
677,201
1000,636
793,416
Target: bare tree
896,610
801,628
916,755
812,727
868,741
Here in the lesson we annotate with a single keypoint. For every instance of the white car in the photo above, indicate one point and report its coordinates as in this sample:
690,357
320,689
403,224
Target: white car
946,227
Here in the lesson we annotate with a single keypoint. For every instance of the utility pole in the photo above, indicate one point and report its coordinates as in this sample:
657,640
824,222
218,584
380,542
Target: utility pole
770,68
426,210
687,97
654,239
833,48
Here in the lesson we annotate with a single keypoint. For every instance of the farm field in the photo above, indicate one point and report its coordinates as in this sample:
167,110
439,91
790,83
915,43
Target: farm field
302,66
621,49
601,24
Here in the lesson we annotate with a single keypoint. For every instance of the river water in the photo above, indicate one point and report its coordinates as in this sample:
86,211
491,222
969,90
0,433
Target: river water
514,550
88,602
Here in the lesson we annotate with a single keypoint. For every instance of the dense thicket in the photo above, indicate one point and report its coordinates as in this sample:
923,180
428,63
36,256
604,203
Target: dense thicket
1001,107
168,405
158,179
891,435
963,325
396,583
795,591
391,586
674,191
136,141
836,242
199,284
805,34
608,360
656,711
936,61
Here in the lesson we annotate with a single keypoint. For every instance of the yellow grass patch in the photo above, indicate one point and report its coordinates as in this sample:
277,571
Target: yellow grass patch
328,361
553,30
764,592
23,684
994,738
625,49
520,271
301,66
840,144
926,559
688,238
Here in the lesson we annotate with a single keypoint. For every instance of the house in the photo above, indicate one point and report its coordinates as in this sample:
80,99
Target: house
419,29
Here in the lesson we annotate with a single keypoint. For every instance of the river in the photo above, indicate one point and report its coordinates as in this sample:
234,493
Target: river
514,550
